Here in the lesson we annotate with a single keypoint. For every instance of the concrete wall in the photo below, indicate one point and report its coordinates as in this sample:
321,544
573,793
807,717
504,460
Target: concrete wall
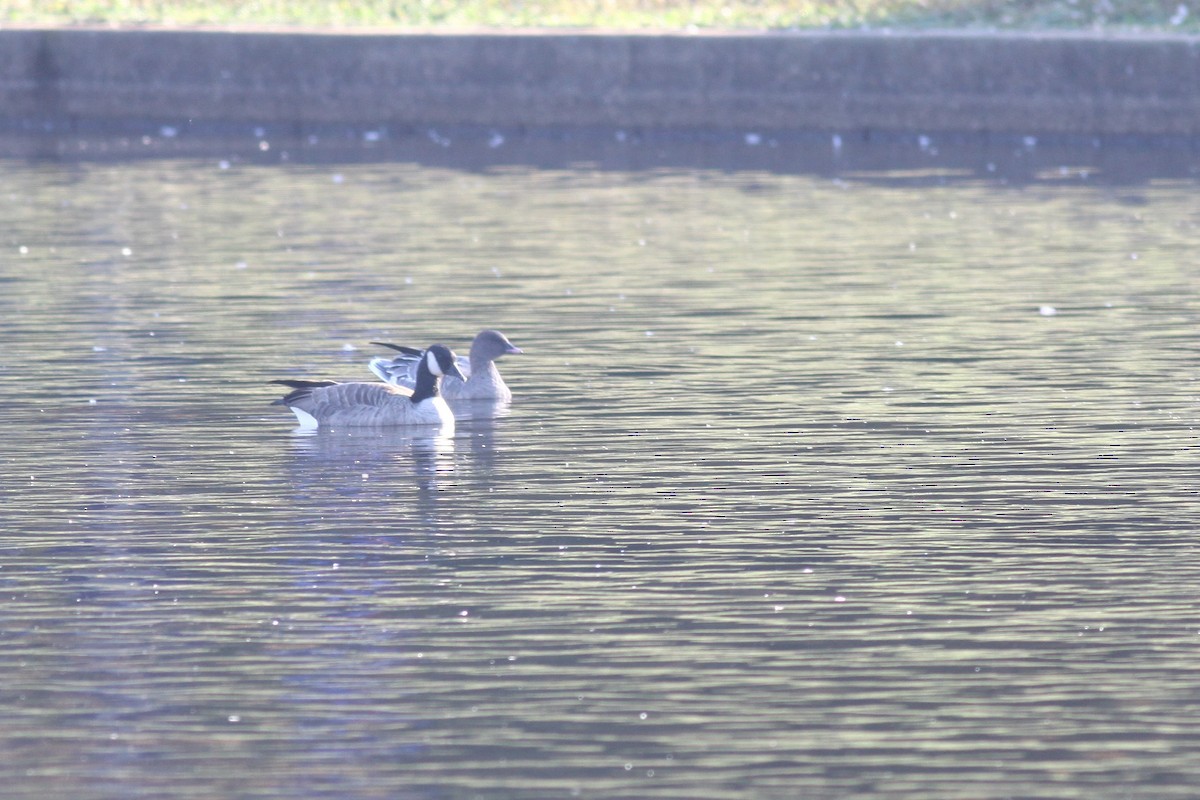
1073,84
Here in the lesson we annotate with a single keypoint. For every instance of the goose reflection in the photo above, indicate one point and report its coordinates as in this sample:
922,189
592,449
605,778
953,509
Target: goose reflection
477,421
469,410
375,467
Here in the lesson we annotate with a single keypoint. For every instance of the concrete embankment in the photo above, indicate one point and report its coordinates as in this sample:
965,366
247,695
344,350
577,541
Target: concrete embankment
1020,84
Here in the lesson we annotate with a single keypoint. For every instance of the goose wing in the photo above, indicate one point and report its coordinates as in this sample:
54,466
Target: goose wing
402,369
347,403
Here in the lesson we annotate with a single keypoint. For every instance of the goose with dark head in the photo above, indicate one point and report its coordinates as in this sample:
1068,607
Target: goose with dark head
328,404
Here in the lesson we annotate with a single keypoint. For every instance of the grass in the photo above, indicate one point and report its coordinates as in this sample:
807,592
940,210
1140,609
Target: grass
1121,15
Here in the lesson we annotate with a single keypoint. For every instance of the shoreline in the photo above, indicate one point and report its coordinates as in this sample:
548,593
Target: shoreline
68,79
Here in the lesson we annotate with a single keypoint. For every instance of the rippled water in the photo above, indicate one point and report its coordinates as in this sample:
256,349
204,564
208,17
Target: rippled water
820,483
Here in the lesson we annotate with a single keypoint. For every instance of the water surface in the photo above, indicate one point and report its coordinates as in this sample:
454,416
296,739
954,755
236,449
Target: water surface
835,483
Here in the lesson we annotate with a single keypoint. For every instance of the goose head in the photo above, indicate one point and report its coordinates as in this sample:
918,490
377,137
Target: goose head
441,361
490,345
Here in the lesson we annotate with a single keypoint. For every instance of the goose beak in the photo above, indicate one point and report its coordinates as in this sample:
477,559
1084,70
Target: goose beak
456,372
513,350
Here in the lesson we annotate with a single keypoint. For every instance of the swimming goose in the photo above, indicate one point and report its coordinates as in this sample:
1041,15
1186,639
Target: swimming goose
376,405
482,382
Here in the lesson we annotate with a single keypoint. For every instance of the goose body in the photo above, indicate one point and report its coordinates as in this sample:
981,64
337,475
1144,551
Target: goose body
481,380
328,404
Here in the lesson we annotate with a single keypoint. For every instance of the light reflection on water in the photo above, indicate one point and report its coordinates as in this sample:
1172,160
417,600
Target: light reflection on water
800,494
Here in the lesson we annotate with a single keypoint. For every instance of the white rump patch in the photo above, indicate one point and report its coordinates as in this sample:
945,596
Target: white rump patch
307,421
431,362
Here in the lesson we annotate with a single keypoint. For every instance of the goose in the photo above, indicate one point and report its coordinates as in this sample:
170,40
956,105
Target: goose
375,405
482,381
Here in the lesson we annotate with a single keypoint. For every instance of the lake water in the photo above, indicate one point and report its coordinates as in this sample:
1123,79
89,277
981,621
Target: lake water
830,473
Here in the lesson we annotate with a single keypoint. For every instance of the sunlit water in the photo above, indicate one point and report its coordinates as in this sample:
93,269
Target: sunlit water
817,484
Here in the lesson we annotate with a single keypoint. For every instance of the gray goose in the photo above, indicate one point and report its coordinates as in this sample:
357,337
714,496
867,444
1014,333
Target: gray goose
482,380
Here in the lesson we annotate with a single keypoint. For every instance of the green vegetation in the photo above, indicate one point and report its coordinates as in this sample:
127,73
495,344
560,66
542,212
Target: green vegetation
1149,15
